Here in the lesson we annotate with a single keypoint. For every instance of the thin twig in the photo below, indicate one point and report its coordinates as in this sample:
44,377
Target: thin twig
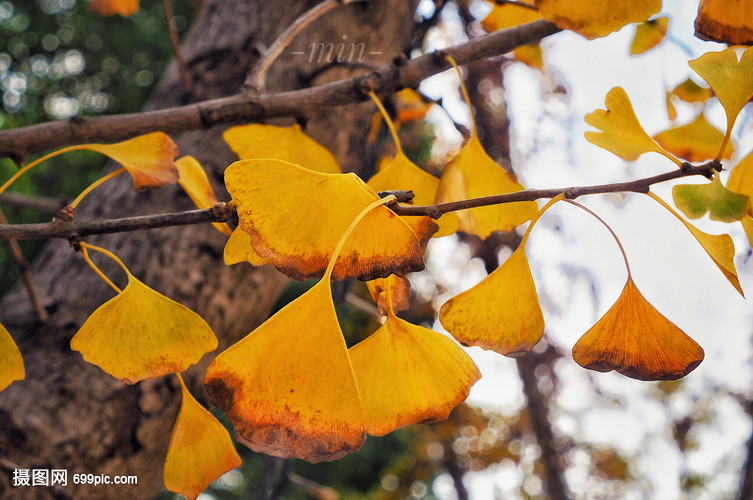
31,288
256,79
312,488
185,73
517,4
242,108
39,203
221,212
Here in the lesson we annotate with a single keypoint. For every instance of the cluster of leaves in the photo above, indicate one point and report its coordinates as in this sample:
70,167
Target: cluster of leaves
273,385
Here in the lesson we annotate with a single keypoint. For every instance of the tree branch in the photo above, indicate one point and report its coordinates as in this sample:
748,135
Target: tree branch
64,227
242,108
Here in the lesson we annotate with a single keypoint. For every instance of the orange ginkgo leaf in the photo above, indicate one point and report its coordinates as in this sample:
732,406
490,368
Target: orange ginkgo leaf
291,144
730,79
410,106
408,374
634,339
200,449
741,178
148,158
11,362
140,333
596,18
296,217
238,249
399,292
193,179
648,35
696,141
719,247
726,22
621,132
112,7
288,387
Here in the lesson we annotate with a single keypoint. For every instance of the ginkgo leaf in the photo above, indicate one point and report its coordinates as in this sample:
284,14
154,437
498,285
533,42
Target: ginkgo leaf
634,339
671,111
725,21
288,386
696,141
402,174
200,449
695,200
621,132
399,292
472,174
11,362
531,55
193,179
741,178
410,106
648,35
719,247
141,334
408,374
111,7
148,158
747,223
690,91
730,79
508,16
596,18
296,217
501,313
238,249
290,144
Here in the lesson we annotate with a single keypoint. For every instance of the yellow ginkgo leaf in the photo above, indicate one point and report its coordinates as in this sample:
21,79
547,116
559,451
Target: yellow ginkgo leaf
288,386
148,158
730,79
747,223
634,339
508,16
296,217
290,144
596,18
501,313
741,178
408,374
696,141
621,132
531,55
238,249
726,22
690,91
111,7
11,362
200,450
648,35
671,111
472,174
399,293
193,179
719,247
402,174
141,334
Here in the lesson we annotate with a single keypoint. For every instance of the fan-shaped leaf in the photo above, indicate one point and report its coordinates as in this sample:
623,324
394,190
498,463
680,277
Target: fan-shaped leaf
696,141
11,362
238,249
596,18
648,35
193,179
695,200
726,22
741,178
399,293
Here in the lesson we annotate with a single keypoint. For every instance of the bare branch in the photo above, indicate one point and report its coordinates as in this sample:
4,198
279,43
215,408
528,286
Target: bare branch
256,79
241,108
40,203
64,227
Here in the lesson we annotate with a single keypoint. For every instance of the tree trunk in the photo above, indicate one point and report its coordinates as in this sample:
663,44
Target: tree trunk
68,414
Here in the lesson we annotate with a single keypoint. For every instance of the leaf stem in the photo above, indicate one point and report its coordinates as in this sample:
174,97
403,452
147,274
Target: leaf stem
95,184
387,120
619,244
96,269
467,98
36,162
331,265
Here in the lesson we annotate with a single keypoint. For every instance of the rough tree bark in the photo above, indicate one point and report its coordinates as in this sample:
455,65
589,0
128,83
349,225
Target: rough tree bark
68,414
